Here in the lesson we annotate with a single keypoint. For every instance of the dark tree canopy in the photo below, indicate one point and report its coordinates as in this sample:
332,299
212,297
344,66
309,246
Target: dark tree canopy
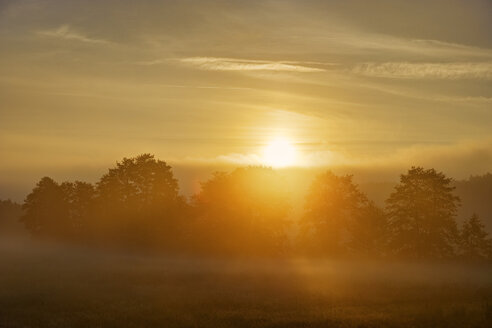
248,212
79,197
10,212
53,209
335,215
369,232
46,209
243,211
139,199
474,240
9,209
476,196
139,182
422,211
137,202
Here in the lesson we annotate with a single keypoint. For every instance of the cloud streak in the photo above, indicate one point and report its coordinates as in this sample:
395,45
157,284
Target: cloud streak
65,32
231,64
406,70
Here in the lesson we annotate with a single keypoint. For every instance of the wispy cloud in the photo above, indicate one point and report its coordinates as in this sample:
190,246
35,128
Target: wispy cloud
152,62
405,70
67,33
232,64
463,157
366,43
227,159
453,158
442,48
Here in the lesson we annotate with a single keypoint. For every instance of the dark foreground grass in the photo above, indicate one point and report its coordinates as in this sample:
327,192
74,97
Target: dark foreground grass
53,287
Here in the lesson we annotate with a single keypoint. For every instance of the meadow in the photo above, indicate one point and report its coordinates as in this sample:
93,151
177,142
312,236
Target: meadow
49,285
262,163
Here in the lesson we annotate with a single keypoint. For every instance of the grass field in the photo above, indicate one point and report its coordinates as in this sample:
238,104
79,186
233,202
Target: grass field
50,286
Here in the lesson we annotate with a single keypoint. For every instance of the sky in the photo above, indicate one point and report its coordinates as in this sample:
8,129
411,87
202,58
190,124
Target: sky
208,84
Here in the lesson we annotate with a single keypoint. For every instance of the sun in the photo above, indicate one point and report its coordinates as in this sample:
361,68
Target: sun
279,153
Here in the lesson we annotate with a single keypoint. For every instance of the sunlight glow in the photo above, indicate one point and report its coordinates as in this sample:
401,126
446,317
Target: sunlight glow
279,153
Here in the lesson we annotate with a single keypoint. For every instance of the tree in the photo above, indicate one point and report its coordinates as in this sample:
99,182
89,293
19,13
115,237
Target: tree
369,232
476,197
58,210
138,182
46,209
138,201
475,243
80,197
10,212
421,212
335,211
244,211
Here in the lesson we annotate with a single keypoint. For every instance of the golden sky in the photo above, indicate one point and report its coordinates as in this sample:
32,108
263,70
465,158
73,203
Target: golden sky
85,83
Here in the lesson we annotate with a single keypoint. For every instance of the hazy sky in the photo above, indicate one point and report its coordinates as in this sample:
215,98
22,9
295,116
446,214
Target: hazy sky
359,83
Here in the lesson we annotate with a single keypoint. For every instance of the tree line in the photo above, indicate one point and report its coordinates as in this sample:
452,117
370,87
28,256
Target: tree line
248,211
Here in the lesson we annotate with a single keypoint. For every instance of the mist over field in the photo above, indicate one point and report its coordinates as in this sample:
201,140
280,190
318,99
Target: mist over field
141,264
49,285
260,163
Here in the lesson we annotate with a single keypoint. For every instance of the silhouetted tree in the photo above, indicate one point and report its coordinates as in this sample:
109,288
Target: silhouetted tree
80,197
369,231
10,212
246,212
138,201
476,197
9,209
421,212
46,209
242,212
337,214
475,243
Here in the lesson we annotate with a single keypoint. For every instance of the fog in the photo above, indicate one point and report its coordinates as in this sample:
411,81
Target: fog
53,285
